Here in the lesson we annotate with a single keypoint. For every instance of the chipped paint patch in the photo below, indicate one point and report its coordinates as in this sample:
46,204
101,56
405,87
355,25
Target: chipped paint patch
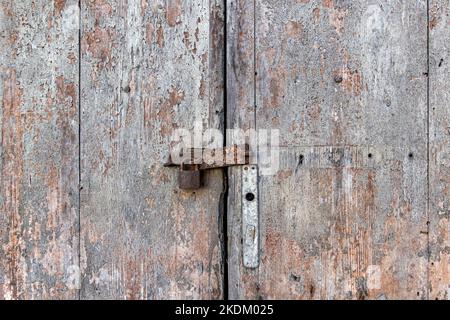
373,277
160,36
337,20
293,29
59,6
14,268
150,29
99,44
173,12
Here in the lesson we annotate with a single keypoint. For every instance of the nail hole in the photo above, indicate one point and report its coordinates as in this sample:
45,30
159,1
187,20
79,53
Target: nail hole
294,277
338,79
249,196
370,155
127,89
411,155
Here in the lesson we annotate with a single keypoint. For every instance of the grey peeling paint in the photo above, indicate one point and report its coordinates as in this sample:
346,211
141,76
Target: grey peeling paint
349,76
148,68
439,149
39,152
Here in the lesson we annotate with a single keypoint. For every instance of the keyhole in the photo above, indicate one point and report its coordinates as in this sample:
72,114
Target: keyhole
250,196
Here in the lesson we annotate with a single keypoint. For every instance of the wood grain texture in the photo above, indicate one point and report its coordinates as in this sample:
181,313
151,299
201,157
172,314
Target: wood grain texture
39,150
240,114
345,217
439,27
148,67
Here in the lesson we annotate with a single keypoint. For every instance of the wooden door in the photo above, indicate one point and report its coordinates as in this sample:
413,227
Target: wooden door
439,152
362,147
39,218
148,68
91,92
87,209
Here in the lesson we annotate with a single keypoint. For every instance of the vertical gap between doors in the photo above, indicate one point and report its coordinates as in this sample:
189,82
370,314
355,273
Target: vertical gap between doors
225,199
79,148
428,152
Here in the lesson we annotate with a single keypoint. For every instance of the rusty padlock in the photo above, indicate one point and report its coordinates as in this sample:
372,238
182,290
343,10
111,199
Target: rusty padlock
189,177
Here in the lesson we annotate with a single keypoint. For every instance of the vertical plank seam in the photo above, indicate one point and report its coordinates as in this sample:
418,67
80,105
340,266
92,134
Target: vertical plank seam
255,106
225,198
428,154
254,66
79,149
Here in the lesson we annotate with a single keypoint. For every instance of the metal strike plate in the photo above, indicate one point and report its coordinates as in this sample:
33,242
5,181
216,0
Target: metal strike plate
250,216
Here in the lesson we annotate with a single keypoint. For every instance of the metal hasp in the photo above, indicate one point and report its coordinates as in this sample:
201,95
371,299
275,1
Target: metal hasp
192,162
250,216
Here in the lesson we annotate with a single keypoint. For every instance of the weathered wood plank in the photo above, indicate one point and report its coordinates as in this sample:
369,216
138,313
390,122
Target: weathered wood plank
342,75
240,114
439,26
39,149
148,67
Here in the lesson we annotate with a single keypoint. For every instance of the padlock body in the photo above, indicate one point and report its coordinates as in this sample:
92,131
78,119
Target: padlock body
189,179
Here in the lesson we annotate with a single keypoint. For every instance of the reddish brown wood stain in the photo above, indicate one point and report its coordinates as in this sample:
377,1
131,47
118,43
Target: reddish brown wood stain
348,232
98,43
59,6
101,9
12,174
150,31
293,28
160,36
173,12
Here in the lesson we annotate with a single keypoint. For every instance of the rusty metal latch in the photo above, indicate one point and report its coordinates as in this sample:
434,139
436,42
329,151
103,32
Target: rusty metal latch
192,162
